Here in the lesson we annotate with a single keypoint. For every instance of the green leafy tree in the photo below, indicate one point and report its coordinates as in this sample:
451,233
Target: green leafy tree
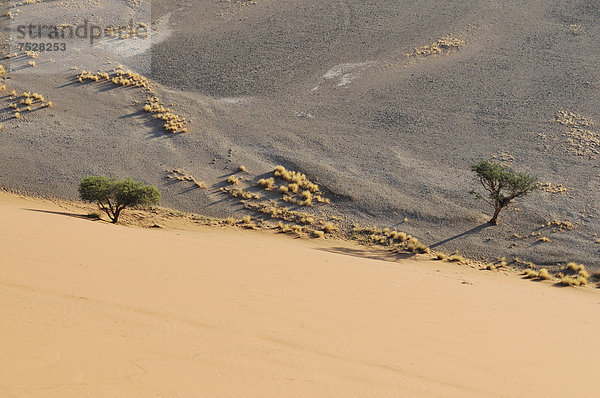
502,184
113,196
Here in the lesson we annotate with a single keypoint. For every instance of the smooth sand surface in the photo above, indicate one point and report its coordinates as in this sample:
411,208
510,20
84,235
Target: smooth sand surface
96,310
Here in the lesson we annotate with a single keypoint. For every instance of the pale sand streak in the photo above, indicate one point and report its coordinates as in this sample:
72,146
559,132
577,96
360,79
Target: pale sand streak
97,310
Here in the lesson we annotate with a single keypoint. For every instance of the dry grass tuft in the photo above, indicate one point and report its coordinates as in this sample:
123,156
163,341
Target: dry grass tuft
583,138
300,190
267,183
531,273
569,280
555,189
584,274
575,267
456,258
28,100
233,180
545,275
297,229
275,211
394,240
329,227
542,274
318,234
182,175
441,46
242,194
574,275
173,123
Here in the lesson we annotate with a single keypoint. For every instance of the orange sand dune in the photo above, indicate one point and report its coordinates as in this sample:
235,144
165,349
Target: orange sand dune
97,310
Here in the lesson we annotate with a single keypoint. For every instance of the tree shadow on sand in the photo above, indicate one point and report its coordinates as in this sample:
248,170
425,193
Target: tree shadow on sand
475,230
63,213
370,253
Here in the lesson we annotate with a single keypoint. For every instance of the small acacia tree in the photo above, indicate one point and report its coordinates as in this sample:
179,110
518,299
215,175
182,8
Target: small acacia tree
113,196
503,185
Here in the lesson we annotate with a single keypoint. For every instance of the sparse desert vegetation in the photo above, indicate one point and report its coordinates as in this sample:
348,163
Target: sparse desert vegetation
443,45
266,183
182,175
299,190
26,102
573,274
173,122
456,258
583,138
240,193
392,239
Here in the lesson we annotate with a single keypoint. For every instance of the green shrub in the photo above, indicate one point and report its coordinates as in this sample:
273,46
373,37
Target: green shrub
113,196
503,185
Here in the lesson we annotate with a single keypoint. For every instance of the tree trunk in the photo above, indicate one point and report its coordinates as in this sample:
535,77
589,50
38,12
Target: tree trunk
494,220
116,216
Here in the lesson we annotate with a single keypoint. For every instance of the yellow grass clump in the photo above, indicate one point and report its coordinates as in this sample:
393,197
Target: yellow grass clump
394,240
297,229
583,138
275,211
329,227
531,273
182,175
572,266
551,188
266,183
28,100
239,193
443,45
173,122
456,258
318,234
544,274
578,280
298,184
233,180
414,246
574,275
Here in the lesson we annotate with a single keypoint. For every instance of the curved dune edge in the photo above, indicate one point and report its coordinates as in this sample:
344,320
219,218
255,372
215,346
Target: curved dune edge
103,310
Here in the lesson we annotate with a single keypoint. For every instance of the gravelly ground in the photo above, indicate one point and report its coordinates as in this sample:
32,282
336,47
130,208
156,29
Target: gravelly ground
326,88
